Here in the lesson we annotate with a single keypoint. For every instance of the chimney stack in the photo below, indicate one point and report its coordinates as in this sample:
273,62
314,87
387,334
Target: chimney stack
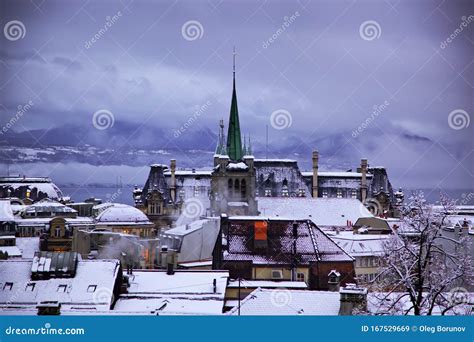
352,297
173,179
363,183
315,174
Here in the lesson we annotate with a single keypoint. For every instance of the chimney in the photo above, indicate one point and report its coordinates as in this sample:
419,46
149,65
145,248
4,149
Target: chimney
315,173
170,261
173,180
352,298
334,278
363,182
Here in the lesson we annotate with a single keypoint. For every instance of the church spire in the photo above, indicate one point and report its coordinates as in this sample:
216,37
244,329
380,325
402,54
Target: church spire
234,140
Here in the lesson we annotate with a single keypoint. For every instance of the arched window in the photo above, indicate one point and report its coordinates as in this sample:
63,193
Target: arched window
236,187
230,187
243,188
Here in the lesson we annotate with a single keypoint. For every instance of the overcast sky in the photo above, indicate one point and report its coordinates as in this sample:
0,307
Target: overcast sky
320,65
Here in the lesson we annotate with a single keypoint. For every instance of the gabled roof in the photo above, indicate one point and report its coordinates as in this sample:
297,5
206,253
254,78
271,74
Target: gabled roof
310,242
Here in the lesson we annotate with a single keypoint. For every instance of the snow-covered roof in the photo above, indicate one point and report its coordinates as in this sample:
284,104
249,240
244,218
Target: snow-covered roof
312,244
49,205
6,213
277,302
269,284
122,214
92,286
42,184
357,245
190,173
338,174
44,221
13,251
28,246
184,292
322,211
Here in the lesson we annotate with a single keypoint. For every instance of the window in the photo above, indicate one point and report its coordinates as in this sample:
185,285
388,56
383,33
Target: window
197,191
300,276
8,286
61,288
339,193
57,232
181,193
91,288
301,193
277,274
354,193
284,191
30,287
325,193
243,188
268,192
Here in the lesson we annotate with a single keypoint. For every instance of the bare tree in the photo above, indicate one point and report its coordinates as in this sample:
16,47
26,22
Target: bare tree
423,269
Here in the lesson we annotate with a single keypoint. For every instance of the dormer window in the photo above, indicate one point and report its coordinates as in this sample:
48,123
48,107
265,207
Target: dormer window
8,286
91,288
61,288
30,287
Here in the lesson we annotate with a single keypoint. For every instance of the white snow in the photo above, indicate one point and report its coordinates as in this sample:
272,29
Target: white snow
322,211
264,302
101,273
184,292
122,214
6,213
237,166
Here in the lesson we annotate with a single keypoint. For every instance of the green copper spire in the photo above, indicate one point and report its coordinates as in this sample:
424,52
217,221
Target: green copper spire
234,141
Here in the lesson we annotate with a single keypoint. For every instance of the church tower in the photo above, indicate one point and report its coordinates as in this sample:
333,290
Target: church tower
233,177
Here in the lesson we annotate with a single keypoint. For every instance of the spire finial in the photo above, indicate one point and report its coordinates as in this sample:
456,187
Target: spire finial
233,57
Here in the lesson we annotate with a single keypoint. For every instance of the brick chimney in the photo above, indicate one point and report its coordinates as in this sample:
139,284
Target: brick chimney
363,182
315,174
